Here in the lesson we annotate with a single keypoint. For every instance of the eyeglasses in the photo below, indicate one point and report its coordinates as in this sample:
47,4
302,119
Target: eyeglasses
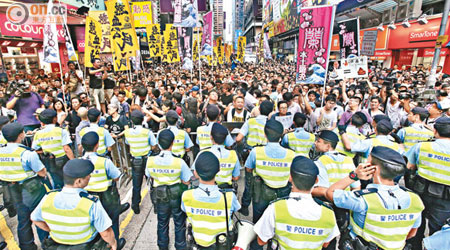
83,97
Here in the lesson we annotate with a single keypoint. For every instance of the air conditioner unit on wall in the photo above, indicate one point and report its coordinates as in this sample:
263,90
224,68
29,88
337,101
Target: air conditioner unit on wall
402,12
386,16
414,8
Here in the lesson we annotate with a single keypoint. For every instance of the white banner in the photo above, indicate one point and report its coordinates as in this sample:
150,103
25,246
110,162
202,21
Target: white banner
51,50
355,67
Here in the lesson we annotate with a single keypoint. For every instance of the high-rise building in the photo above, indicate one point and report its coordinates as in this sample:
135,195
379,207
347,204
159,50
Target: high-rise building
218,17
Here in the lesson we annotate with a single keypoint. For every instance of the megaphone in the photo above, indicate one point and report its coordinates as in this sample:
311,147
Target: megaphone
246,235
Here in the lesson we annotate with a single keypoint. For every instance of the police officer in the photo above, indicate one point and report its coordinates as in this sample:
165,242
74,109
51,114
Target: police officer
384,215
353,132
298,221
73,217
270,166
170,175
182,142
204,132
106,141
141,141
205,205
20,171
431,160
253,128
229,162
3,120
333,166
300,140
417,132
103,180
440,240
54,145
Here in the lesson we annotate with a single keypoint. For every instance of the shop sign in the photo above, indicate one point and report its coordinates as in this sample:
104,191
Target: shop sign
423,35
379,53
25,30
430,52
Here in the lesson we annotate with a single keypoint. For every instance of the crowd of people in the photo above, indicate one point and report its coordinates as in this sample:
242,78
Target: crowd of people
365,159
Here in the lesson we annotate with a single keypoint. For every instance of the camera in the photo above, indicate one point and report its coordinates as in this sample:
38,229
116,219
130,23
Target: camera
19,86
404,95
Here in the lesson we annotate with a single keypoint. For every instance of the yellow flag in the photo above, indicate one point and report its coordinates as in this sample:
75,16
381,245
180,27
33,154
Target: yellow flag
261,46
142,14
242,42
125,43
154,39
93,37
170,53
271,29
102,17
228,51
196,46
219,50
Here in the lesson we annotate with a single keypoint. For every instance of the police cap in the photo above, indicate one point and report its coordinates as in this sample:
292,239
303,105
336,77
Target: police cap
388,155
362,116
94,113
3,120
207,165
47,116
329,136
78,168
11,131
219,133
172,114
378,118
90,139
304,166
273,130
442,126
385,126
165,138
420,111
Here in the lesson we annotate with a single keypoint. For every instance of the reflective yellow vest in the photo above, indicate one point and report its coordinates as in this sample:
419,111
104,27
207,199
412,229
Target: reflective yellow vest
101,141
274,172
413,136
387,228
377,142
227,165
352,137
178,143
207,219
434,165
2,140
204,137
139,145
68,226
301,146
256,134
99,181
337,170
294,233
51,141
11,168
164,174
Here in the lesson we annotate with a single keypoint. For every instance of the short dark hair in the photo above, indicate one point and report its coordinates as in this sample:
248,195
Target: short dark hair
156,92
137,120
388,171
266,109
299,121
88,148
69,180
302,182
281,102
288,96
122,93
375,97
168,103
442,129
178,97
92,118
331,97
357,121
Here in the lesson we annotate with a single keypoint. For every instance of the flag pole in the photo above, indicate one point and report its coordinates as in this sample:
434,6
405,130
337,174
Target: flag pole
199,44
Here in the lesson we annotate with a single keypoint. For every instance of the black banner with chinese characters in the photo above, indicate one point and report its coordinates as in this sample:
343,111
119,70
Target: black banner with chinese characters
349,38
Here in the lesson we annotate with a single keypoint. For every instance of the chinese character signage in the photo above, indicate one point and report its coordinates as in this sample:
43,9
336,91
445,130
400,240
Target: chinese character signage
219,50
228,51
369,42
196,47
185,43
144,49
349,38
207,48
170,52
314,42
242,43
354,67
102,17
91,4
142,14
93,33
189,14
124,39
154,40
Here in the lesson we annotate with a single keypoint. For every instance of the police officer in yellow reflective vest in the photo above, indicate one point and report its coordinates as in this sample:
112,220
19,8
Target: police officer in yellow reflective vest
298,221
270,166
21,171
229,163
300,140
417,132
106,141
333,166
182,142
204,132
141,141
384,215
3,120
207,207
53,143
170,176
432,162
353,132
74,218
103,180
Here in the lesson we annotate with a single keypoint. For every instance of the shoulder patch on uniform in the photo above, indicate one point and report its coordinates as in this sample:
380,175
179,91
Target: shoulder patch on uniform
205,149
54,190
362,192
323,203
226,190
279,199
177,156
25,147
406,189
91,197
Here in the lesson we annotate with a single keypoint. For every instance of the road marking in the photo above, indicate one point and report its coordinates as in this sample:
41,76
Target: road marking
7,234
130,214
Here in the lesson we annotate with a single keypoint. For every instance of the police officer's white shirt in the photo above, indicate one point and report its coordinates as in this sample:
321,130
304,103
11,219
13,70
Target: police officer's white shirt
305,208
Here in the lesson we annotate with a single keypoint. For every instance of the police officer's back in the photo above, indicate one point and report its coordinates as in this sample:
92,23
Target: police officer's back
182,142
54,145
106,141
204,132
170,176
103,180
353,132
253,128
205,205
141,141
431,160
384,215
417,132
300,140
21,172
298,221
73,217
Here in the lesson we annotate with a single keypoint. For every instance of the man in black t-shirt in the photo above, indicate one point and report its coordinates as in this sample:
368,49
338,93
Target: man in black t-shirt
96,76
109,82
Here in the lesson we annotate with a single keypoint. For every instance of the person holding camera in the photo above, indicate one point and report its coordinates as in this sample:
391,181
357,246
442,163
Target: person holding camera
73,80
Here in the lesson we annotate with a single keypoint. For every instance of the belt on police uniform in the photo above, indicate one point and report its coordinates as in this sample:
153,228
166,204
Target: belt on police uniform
96,244
424,186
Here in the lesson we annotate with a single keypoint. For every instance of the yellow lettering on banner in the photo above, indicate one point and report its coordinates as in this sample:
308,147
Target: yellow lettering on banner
196,46
93,37
242,43
154,39
170,50
102,17
124,39
142,13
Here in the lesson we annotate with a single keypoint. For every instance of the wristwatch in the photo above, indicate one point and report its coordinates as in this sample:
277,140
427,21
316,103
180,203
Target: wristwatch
352,175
